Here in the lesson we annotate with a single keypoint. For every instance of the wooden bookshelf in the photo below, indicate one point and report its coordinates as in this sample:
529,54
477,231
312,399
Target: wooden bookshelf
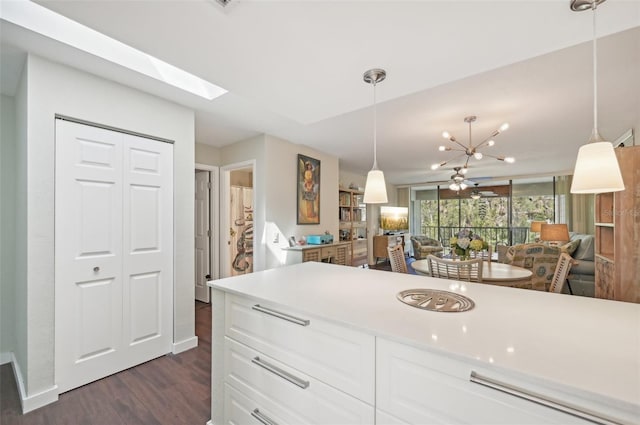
617,234
352,214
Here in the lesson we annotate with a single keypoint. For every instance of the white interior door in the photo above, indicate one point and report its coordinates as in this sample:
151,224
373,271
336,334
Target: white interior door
202,235
114,252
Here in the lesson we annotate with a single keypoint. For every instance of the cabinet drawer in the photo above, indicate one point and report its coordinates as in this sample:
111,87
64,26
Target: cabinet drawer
255,374
340,357
240,409
329,252
383,418
418,387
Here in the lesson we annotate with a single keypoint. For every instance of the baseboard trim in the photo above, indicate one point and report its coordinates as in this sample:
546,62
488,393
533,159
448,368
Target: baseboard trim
209,422
187,344
35,401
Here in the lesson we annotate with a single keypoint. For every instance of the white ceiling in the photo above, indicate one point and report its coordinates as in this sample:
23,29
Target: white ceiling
294,70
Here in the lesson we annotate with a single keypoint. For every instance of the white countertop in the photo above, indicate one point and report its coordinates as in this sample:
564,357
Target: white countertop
589,344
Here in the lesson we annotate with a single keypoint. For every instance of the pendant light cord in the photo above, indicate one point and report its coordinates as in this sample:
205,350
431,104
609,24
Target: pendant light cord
595,71
375,128
595,137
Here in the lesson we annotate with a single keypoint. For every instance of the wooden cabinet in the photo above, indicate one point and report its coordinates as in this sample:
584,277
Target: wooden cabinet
617,232
382,242
352,213
336,253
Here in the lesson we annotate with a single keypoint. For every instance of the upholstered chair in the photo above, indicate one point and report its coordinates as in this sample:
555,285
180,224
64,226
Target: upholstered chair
424,245
540,259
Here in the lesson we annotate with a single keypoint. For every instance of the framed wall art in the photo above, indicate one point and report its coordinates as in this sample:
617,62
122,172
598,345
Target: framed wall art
308,192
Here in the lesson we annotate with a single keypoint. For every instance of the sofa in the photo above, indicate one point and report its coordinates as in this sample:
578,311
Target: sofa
581,277
424,245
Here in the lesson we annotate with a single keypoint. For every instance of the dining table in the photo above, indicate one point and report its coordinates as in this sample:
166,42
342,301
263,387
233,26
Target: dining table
493,273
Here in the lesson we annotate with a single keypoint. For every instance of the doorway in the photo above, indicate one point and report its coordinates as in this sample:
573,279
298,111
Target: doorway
237,238
206,229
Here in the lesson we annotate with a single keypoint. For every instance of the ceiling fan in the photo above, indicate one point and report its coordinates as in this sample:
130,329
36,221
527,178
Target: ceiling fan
458,181
477,194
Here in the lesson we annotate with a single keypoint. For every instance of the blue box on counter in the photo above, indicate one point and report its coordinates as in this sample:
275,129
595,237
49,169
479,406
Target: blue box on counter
319,239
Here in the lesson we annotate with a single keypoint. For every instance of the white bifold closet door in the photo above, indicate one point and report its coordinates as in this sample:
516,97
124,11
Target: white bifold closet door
113,252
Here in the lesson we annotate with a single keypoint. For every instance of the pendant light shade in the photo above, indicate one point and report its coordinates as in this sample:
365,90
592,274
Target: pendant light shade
597,169
375,190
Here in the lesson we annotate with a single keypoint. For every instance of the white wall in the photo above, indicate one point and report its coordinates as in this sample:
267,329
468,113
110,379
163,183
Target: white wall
275,193
207,155
281,197
56,89
21,212
8,146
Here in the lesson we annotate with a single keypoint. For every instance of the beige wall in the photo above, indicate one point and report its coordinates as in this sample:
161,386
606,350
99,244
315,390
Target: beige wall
207,155
242,178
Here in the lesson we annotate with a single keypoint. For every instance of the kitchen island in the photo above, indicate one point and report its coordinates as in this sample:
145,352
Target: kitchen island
322,343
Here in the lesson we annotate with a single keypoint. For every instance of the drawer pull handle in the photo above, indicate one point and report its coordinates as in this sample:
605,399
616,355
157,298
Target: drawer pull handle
263,418
542,400
281,373
284,316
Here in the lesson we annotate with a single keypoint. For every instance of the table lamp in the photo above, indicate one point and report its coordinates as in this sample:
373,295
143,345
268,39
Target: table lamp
536,226
554,234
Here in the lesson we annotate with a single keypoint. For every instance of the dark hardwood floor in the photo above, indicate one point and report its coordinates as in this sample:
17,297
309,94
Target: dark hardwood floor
173,389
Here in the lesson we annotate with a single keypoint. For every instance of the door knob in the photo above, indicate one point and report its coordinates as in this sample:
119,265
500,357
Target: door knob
96,269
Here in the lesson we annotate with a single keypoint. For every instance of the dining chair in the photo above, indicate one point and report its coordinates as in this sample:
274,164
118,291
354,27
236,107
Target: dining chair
396,258
469,270
560,275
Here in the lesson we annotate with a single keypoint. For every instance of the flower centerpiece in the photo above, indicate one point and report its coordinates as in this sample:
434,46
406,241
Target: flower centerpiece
465,242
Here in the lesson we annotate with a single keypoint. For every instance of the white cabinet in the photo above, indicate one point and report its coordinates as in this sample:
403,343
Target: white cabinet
340,363
341,357
418,386
310,400
292,369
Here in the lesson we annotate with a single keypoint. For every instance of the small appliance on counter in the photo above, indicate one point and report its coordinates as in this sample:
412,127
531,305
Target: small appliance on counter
319,239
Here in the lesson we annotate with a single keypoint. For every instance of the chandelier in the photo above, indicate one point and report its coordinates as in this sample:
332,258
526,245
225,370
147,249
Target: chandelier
470,150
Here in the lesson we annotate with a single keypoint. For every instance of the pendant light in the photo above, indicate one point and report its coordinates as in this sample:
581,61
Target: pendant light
597,169
375,190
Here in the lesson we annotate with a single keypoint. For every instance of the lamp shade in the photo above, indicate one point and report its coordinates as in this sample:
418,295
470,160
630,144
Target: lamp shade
536,226
375,190
554,232
597,169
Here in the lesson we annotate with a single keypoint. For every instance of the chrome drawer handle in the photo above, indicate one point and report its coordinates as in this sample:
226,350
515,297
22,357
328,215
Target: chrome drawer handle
263,418
543,400
284,316
281,373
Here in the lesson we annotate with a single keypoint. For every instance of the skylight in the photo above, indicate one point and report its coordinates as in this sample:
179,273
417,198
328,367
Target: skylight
39,19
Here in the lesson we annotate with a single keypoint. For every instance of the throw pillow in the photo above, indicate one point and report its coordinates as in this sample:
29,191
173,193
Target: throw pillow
570,247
